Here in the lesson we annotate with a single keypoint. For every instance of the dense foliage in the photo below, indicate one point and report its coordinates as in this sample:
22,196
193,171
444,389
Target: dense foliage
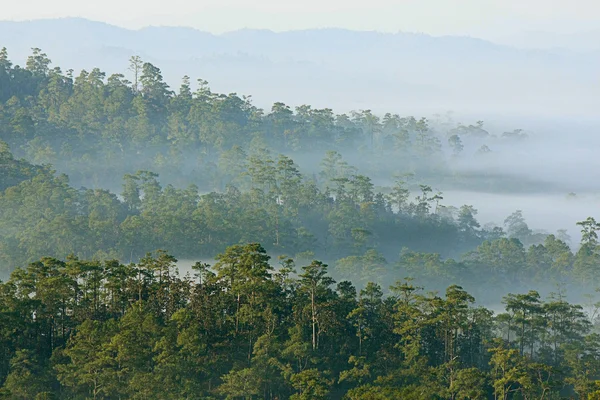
97,130
241,329
93,326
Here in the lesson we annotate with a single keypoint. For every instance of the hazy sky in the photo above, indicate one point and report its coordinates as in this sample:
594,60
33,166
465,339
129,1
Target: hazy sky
474,17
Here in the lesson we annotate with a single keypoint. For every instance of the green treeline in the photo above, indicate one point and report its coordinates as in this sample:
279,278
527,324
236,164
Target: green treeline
244,330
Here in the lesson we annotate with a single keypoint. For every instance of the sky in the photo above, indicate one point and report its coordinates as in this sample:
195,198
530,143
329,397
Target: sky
481,18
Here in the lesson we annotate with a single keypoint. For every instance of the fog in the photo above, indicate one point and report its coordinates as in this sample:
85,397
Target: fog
544,212
552,175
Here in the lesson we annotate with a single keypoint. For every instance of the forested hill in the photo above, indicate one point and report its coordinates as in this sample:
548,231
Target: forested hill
79,121
241,330
333,67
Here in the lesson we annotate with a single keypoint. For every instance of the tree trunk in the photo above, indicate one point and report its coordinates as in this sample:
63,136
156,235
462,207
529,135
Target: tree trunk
314,332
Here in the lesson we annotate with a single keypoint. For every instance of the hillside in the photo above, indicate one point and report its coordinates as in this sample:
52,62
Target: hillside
332,67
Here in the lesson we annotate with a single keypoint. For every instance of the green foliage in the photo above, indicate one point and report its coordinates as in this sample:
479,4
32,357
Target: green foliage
210,175
245,331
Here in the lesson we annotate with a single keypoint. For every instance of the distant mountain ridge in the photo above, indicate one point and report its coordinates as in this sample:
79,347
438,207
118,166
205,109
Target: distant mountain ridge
329,67
87,32
588,41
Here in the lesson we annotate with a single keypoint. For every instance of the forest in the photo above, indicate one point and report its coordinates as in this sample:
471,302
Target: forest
242,329
106,182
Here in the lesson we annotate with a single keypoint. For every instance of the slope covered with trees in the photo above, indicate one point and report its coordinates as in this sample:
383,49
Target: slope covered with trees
95,128
232,179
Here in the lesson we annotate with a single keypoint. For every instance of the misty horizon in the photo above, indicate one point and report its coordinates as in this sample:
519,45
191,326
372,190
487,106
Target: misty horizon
417,73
